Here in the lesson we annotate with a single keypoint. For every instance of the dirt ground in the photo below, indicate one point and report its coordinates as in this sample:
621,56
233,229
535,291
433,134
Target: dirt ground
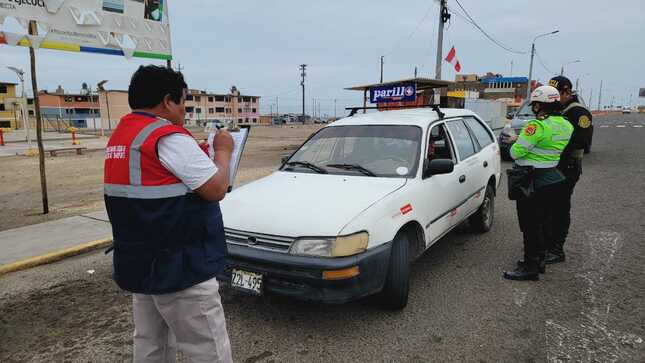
75,182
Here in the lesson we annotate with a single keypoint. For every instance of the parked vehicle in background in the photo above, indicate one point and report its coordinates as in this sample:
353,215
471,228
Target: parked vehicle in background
346,214
627,110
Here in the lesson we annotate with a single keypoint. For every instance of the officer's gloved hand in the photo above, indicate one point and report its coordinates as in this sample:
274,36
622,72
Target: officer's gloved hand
508,139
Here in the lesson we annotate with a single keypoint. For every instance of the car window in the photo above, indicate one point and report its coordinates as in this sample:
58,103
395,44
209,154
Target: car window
484,138
439,146
386,151
463,141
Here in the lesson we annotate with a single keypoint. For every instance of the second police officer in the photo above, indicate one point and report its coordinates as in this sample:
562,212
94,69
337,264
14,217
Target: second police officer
536,152
570,163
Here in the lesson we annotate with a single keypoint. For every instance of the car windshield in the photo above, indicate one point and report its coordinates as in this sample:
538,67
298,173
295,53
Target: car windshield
375,151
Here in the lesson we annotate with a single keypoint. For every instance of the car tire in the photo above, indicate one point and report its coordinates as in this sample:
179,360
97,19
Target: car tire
482,220
395,291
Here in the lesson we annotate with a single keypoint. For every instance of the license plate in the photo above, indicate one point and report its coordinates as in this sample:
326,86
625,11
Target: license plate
250,282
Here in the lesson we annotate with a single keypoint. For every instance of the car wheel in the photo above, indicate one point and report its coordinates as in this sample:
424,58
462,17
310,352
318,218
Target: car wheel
397,283
482,220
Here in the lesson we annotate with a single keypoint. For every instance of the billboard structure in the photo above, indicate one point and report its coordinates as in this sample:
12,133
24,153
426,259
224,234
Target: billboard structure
130,28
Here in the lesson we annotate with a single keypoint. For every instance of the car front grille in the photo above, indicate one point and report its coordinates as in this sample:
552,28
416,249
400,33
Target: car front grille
257,240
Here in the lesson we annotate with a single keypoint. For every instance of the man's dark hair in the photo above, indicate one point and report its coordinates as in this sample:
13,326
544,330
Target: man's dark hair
150,84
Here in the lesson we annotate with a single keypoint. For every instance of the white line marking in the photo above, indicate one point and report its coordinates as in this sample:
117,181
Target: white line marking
590,340
638,126
620,126
603,126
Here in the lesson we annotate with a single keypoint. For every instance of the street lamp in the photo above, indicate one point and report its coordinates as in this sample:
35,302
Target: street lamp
566,64
21,76
99,87
528,87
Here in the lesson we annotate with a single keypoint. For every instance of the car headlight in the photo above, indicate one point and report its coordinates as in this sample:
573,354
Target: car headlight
331,247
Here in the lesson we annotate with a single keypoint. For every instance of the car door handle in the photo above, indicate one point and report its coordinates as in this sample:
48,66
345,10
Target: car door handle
485,164
462,178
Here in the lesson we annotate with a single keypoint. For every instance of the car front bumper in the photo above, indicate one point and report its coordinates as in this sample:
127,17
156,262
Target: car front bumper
301,277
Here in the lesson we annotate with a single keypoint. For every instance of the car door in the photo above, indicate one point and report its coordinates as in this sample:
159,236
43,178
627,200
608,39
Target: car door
468,168
488,149
439,193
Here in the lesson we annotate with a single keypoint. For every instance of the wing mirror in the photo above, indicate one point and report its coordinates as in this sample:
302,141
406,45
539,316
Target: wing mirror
509,116
284,158
437,166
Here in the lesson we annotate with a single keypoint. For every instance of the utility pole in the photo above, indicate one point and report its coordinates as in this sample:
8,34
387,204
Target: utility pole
444,16
511,68
600,96
528,87
382,69
303,73
277,106
590,96
313,107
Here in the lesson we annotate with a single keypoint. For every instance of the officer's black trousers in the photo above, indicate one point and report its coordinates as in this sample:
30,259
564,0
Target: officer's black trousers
562,208
535,215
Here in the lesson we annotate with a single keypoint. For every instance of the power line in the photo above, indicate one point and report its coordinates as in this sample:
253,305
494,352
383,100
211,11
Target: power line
398,44
472,21
542,63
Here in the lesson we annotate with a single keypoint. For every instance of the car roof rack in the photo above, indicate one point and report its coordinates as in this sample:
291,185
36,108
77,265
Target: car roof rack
434,107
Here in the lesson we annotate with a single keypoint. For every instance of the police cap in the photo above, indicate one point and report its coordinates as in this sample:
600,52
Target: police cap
561,83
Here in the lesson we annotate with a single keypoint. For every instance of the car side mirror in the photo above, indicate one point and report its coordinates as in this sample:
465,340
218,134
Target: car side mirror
437,166
509,116
284,158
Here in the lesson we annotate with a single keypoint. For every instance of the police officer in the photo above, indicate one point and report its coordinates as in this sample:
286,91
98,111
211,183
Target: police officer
537,149
570,163
161,193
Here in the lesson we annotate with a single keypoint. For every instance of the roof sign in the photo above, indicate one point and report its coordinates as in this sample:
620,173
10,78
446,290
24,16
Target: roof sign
393,93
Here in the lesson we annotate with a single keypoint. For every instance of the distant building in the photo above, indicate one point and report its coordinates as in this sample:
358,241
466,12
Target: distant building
490,86
113,105
9,106
202,106
74,109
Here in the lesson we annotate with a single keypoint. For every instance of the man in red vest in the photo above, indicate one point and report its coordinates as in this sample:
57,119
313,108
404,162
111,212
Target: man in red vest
161,193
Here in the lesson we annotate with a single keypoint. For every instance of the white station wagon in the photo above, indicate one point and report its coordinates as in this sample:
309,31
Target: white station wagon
346,213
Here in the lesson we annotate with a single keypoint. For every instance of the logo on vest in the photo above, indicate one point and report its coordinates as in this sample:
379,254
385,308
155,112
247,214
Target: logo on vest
115,152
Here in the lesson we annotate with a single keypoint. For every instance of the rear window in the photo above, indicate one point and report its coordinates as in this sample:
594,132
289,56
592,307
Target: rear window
484,138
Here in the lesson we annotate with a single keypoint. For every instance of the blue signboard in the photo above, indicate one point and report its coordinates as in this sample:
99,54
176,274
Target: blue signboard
393,93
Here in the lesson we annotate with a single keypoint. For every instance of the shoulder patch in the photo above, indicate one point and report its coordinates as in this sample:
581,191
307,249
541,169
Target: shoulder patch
530,130
584,122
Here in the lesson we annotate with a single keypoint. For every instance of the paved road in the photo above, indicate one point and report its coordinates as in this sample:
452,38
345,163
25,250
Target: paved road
590,309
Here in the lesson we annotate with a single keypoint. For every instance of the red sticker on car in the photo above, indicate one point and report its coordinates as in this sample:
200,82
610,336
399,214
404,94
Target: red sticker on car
406,209
529,130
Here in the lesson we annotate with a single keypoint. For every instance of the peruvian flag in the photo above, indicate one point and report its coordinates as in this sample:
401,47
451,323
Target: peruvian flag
452,59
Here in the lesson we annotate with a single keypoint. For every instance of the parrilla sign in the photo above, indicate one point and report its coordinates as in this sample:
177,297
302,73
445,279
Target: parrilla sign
393,93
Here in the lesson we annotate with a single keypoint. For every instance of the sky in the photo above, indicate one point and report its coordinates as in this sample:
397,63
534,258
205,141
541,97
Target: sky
258,47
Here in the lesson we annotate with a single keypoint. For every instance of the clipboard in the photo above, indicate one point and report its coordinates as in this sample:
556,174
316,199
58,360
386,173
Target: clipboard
239,141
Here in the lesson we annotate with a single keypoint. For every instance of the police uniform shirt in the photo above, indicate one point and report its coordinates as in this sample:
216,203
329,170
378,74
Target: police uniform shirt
581,120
